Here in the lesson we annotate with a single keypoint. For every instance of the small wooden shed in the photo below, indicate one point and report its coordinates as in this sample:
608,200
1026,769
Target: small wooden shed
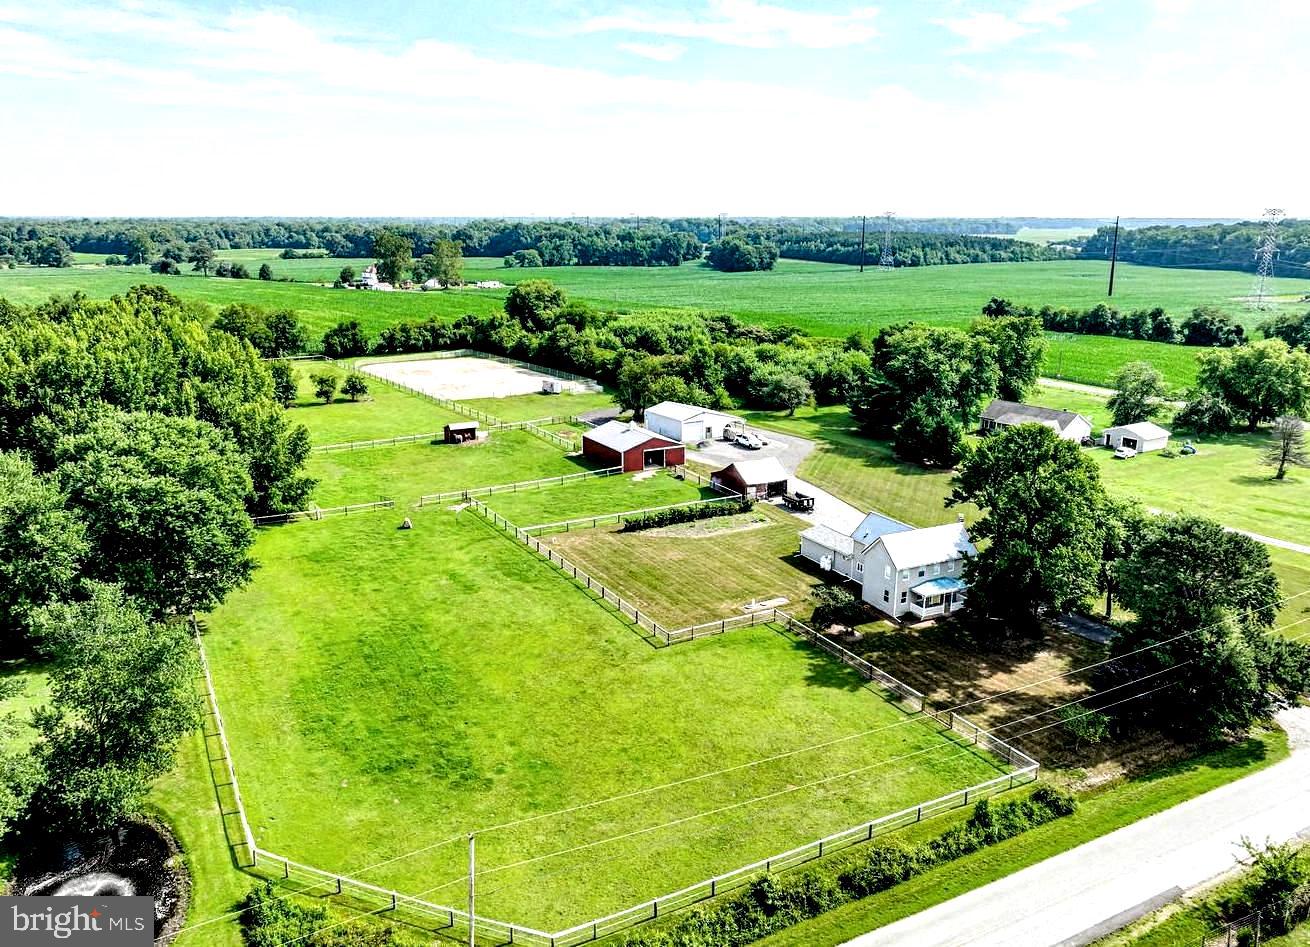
757,479
461,431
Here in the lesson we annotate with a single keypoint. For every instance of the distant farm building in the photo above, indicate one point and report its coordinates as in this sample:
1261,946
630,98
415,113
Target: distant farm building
1070,425
687,422
758,479
460,431
1142,436
630,446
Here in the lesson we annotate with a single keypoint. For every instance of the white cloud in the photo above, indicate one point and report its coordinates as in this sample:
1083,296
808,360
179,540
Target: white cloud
746,23
985,30
660,52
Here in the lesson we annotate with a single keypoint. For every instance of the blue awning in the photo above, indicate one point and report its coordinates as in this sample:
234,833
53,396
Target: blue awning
939,587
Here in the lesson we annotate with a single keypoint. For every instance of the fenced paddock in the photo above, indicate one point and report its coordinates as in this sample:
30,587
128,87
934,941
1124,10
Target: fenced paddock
458,376
322,512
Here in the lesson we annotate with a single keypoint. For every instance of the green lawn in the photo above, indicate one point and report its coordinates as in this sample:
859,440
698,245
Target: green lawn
692,573
384,412
1099,814
534,406
1293,569
34,690
595,497
864,472
408,471
1224,480
462,683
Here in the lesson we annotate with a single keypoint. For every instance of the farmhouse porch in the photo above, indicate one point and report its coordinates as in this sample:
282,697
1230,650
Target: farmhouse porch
937,597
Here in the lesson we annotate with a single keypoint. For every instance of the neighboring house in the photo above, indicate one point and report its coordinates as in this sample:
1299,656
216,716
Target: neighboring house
1070,425
488,284
687,422
369,278
1141,436
899,569
433,283
759,479
630,446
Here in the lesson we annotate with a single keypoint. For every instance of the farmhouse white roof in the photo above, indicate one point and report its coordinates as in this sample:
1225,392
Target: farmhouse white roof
1142,430
1014,412
829,538
912,548
622,435
681,412
874,525
764,470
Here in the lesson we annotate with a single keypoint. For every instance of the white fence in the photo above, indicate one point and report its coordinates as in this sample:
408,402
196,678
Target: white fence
378,442
321,512
522,485
604,519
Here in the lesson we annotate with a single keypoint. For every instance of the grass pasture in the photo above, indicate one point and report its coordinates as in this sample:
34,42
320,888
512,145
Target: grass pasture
532,407
384,412
407,471
695,572
462,683
595,497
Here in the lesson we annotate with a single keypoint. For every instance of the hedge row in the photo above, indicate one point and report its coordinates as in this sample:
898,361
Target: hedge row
686,514
771,904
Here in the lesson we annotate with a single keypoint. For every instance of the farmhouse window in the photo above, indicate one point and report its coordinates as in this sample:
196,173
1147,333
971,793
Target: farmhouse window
950,566
903,594
922,573
886,595
859,567
886,572
937,568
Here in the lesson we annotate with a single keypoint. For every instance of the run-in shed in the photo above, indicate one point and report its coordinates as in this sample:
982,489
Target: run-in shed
460,431
630,446
759,479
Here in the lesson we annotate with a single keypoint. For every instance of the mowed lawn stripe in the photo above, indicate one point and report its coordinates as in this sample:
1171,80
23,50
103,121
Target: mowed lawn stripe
386,689
596,496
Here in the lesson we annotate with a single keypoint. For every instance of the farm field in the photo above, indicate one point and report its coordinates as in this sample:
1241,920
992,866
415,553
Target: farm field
825,299
384,412
407,471
596,496
373,724
751,556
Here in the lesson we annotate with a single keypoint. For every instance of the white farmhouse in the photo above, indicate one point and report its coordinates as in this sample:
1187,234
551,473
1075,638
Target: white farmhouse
687,422
1070,425
900,570
1142,436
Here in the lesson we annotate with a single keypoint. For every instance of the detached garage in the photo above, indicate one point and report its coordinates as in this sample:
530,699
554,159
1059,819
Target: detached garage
630,446
1142,436
758,479
687,422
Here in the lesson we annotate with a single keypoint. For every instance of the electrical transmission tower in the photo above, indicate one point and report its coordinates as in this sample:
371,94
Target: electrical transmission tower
1265,255
887,261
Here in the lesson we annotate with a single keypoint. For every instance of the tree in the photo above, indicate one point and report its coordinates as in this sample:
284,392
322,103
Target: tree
325,386
1208,326
285,387
533,303
1020,345
1139,393
636,376
51,251
1294,330
139,246
1258,381
1203,600
265,271
122,695
1289,445
201,257
734,254
445,264
392,253
245,321
163,499
165,267
286,336
1041,499
354,386
1121,521
345,340
998,307
42,545
530,258
346,276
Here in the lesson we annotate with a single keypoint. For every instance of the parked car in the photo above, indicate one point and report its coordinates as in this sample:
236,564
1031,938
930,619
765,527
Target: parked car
749,441
1124,453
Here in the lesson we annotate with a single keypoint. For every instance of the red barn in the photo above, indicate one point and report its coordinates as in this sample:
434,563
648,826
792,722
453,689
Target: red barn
630,446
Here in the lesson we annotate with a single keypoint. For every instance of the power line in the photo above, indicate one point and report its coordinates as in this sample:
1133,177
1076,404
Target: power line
888,260
1265,255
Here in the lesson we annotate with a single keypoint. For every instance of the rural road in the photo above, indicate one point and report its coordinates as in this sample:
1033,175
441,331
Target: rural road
1085,893
1096,390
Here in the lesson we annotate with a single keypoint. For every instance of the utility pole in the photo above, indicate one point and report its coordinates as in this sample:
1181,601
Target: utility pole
887,261
472,923
720,226
1114,255
1265,254
863,221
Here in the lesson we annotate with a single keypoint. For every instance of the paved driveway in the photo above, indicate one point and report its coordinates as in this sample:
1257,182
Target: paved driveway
790,451
1083,894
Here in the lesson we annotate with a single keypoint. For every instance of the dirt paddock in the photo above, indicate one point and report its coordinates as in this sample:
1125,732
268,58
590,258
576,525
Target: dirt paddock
465,377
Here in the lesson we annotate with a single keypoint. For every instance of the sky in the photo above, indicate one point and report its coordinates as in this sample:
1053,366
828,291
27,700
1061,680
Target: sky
1085,108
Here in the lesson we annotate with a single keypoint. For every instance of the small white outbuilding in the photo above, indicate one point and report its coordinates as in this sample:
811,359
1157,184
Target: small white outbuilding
1142,436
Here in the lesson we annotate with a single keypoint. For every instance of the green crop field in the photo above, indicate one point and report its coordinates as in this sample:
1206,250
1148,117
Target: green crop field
596,496
408,471
385,690
825,299
384,412
697,572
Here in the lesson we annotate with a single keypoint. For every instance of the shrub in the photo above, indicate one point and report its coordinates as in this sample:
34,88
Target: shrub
1086,727
686,514
837,605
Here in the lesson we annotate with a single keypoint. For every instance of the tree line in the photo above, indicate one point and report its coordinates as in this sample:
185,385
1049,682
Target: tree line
1217,246
135,443
910,248
1204,326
